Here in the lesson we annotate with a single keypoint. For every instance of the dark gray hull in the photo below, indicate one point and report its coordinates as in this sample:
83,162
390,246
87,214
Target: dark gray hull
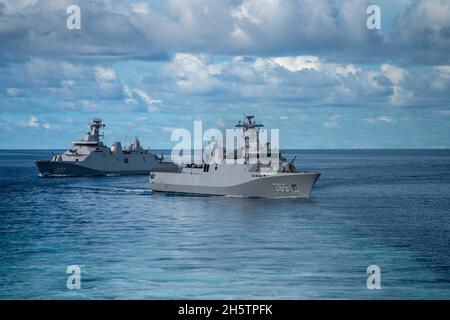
66,169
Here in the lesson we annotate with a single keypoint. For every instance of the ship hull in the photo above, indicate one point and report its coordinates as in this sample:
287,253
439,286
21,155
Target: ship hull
49,169
293,185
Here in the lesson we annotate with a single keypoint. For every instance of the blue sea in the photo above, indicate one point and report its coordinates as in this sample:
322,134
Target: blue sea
389,208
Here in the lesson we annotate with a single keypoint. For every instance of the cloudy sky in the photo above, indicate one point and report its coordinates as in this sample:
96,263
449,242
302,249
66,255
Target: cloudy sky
309,67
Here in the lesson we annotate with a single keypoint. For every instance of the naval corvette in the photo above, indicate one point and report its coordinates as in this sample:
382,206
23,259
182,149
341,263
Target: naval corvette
91,157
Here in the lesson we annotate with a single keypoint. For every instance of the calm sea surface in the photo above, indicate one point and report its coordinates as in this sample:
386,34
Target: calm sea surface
389,208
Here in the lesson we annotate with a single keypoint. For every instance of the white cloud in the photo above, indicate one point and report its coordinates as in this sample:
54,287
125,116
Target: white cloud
193,73
149,101
15,6
380,119
135,96
401,96
427,15
333,121
266,66
127,92
140,8
386,119
33,122
348,69
133,29
49,126
393,73
46,72
242,11
240,36
206,79
444,71
304,79
298,63
105,74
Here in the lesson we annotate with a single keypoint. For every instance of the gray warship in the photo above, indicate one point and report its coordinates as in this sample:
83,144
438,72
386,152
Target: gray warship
91,157
247,179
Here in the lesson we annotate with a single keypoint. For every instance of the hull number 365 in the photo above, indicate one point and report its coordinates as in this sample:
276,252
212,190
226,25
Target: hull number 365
281,187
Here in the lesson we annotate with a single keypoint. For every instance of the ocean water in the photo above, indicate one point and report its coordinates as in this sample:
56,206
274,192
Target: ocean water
388,208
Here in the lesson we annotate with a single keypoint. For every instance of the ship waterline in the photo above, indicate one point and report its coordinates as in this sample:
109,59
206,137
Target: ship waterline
49,168
270,187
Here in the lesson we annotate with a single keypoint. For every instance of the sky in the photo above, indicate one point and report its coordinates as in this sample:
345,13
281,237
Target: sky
310,68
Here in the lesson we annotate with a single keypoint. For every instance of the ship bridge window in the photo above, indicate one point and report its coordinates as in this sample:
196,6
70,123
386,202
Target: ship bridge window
125,160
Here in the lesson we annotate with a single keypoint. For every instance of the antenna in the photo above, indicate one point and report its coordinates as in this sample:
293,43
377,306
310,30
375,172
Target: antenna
292,161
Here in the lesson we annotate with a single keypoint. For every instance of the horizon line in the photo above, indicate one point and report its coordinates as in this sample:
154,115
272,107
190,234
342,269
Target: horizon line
309,149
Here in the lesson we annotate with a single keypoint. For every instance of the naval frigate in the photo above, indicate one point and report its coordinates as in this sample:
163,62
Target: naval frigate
251,177
91,157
